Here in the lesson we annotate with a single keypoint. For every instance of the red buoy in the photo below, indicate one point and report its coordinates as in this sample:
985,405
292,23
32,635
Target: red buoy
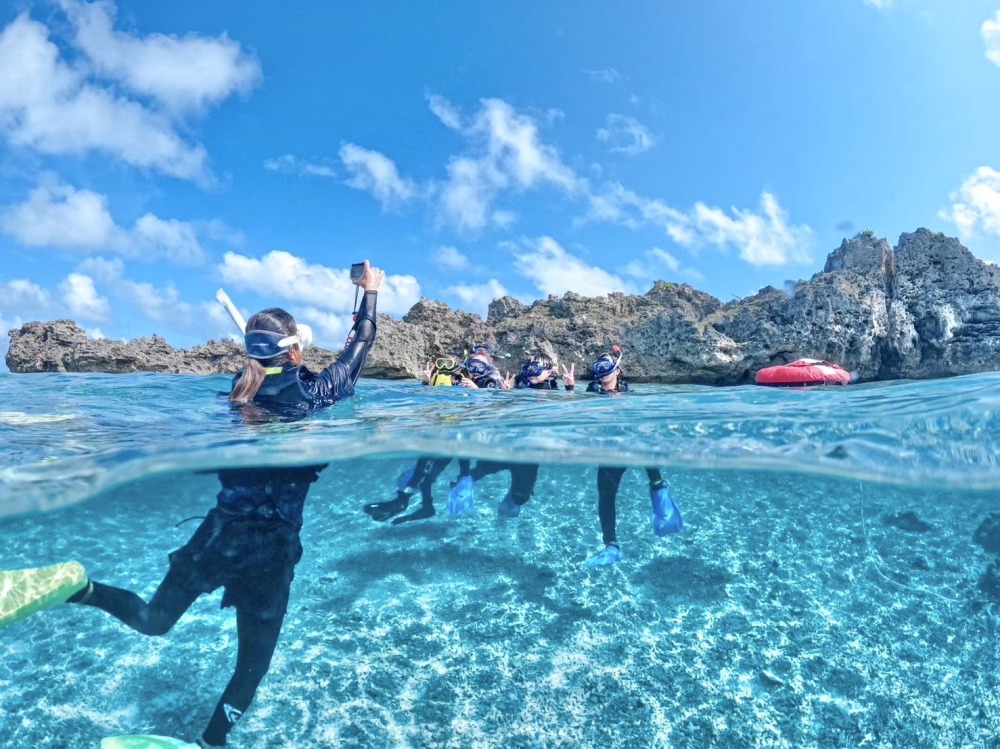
803,372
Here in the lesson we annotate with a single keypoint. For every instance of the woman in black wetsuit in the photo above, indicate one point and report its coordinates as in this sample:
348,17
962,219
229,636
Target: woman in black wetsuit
249,542
664,516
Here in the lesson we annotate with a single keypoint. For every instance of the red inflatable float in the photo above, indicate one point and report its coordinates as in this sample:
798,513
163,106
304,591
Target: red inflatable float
804,372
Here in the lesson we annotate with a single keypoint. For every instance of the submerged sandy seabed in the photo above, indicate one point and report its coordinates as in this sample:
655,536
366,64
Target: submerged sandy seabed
778,619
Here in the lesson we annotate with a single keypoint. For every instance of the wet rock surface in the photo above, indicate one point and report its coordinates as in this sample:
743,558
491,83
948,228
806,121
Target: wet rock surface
926,308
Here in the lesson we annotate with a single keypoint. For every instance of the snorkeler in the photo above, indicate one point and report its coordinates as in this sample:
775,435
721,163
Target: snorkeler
664,515
539,373
478,372
249,542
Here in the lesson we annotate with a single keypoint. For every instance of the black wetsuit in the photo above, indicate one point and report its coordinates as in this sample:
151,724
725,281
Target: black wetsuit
609,478
523,383
249,542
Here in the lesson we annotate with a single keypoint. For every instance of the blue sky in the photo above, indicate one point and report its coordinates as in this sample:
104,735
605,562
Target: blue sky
153,152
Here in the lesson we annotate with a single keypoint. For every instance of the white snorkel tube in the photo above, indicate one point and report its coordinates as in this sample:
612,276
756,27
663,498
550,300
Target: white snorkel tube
304,336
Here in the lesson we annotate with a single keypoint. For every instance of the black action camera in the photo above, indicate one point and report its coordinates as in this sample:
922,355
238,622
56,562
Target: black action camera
357,270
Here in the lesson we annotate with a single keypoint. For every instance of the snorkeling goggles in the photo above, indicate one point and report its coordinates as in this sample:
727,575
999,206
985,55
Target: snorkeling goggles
477,367
607,364
446,368
265,344
533,369
484,348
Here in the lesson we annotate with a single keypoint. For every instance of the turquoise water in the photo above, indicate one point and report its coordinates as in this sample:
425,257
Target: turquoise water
827,590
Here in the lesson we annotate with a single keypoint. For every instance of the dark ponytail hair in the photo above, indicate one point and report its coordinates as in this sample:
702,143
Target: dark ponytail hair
275,320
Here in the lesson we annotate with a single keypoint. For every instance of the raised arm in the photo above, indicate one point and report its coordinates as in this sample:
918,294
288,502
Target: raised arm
337,380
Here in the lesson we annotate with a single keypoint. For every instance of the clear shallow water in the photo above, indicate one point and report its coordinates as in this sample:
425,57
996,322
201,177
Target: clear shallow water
827,590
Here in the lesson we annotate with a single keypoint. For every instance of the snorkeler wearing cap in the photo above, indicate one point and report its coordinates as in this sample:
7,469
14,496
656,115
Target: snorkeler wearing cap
248,543
664,515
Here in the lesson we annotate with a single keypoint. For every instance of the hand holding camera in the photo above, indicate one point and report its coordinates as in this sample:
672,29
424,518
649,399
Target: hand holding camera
367,277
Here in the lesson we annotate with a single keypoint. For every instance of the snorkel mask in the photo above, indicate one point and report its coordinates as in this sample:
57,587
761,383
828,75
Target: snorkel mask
484,348
607,364
477,367
265,344
533,369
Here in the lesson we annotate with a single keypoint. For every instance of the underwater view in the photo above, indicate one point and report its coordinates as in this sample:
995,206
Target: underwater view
836,581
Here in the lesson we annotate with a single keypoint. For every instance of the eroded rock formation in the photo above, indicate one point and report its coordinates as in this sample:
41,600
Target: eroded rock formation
927,308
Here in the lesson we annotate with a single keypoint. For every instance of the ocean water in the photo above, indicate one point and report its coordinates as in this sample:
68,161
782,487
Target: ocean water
833,586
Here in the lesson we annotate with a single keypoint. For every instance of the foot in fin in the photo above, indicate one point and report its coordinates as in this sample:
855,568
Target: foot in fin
147,742
382,511
664,515
611,554
509,508
23,592
462,497
421,513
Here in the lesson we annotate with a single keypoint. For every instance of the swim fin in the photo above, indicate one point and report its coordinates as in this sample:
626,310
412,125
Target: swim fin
23,592
611,554
145,742
462,497
382,511
403,480
664,515
509,508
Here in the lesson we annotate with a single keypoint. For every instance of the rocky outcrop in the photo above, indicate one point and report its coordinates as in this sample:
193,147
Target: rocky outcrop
927,308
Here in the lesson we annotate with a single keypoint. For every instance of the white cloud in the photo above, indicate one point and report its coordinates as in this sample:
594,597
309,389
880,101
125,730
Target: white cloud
330,329
505,152
282,275
375,173
626,135
61,216
160,304
95,334
80,295
976,205
991,36
605,75
760,238
182,73
48,106
553,270
880,4
289,164
477,297
446,112
450,258
24,297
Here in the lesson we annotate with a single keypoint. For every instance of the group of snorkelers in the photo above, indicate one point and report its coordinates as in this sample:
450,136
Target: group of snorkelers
478,370
248,544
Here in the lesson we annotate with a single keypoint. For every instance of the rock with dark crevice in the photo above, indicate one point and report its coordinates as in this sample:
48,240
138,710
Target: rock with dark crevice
926,308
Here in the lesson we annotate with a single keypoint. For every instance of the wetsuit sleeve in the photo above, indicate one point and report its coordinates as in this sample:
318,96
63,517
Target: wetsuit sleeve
337,380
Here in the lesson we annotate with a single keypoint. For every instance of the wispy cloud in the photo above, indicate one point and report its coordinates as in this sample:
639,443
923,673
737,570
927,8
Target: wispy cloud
626,135
374,172
553,270
976,204
880,4
60,216
604,75
450,258
763,237
181,73
82,299
293,165
282,275
76,103
477,297
991,36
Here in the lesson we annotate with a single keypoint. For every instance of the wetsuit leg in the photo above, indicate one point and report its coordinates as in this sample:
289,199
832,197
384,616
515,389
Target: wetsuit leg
428,469
655,479
169,602
487,468
608,480
257,639
522,481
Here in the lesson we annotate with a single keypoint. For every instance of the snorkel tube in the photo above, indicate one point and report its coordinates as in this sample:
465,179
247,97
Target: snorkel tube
303,337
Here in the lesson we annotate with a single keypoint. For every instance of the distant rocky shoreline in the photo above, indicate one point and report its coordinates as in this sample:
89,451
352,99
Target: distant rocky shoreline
924,309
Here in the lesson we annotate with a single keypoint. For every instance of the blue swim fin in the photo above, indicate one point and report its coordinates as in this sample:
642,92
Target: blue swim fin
404,479
664,515
611,554
462,497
